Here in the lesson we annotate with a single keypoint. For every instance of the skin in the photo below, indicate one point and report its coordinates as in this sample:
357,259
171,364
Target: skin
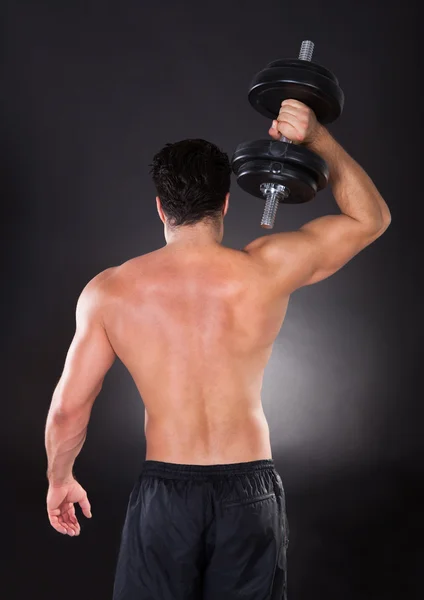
194,323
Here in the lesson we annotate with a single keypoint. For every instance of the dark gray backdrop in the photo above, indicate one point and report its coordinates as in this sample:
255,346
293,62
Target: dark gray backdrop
90,90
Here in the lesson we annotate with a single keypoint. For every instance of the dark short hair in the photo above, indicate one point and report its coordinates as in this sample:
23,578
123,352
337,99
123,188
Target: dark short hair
192,178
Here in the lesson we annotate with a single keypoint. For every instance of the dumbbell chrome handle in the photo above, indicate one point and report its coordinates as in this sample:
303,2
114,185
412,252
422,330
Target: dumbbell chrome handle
306,50
274,193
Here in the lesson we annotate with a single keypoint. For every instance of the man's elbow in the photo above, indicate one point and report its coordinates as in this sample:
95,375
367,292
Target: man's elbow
386,217
66,409
64,413
377,227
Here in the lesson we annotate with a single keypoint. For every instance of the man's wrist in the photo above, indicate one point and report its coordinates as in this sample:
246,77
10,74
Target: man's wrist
330,150
59,481
320,139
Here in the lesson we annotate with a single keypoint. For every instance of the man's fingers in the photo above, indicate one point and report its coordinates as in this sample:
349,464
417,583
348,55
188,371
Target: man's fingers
291,110
54,522
85,507
287,126
73,527
60,524
293,117
69,529
295,103
289,131
276,135
273,131
72,519
71,513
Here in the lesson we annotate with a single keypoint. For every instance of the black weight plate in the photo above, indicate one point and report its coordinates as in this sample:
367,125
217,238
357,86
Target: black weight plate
271,161
308,82
286,154
301,184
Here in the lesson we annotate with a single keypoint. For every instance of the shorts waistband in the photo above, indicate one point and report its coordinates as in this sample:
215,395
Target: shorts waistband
177,471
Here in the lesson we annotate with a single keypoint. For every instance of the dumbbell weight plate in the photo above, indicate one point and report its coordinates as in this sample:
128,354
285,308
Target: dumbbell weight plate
308,82
270,161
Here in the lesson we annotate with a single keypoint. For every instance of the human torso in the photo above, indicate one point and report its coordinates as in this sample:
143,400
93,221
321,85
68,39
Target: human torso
195,328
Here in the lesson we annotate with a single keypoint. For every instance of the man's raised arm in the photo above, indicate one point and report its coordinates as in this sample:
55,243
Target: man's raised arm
324,245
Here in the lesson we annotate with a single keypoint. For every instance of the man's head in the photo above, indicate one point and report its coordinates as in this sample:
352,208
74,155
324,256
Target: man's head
192,179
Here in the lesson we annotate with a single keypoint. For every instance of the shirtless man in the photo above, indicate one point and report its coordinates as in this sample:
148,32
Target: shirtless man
194,322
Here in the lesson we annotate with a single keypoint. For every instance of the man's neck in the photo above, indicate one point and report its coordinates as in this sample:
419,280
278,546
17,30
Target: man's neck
193,236
192,243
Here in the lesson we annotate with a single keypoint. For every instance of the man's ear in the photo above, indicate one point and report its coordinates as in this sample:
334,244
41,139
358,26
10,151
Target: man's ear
160,211
227,201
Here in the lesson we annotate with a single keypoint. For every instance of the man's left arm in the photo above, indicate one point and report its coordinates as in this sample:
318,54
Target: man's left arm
89,358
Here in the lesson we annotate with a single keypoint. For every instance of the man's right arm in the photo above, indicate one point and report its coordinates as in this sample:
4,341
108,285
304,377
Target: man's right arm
324,245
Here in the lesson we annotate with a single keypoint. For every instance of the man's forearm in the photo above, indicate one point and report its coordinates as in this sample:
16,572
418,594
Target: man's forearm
65,436
354,191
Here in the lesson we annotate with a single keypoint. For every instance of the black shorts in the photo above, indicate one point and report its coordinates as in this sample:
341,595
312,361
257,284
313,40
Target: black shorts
215,532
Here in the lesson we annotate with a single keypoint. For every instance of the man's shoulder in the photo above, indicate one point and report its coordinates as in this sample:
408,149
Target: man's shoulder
95,291
113,279
100,281
107,278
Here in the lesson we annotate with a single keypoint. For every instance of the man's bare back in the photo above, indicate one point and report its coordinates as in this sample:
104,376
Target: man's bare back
195,329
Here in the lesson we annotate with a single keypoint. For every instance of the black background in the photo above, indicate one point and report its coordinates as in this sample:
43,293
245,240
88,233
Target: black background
89,92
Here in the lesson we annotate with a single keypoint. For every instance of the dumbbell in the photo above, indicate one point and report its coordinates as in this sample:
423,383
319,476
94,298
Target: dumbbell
279,171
